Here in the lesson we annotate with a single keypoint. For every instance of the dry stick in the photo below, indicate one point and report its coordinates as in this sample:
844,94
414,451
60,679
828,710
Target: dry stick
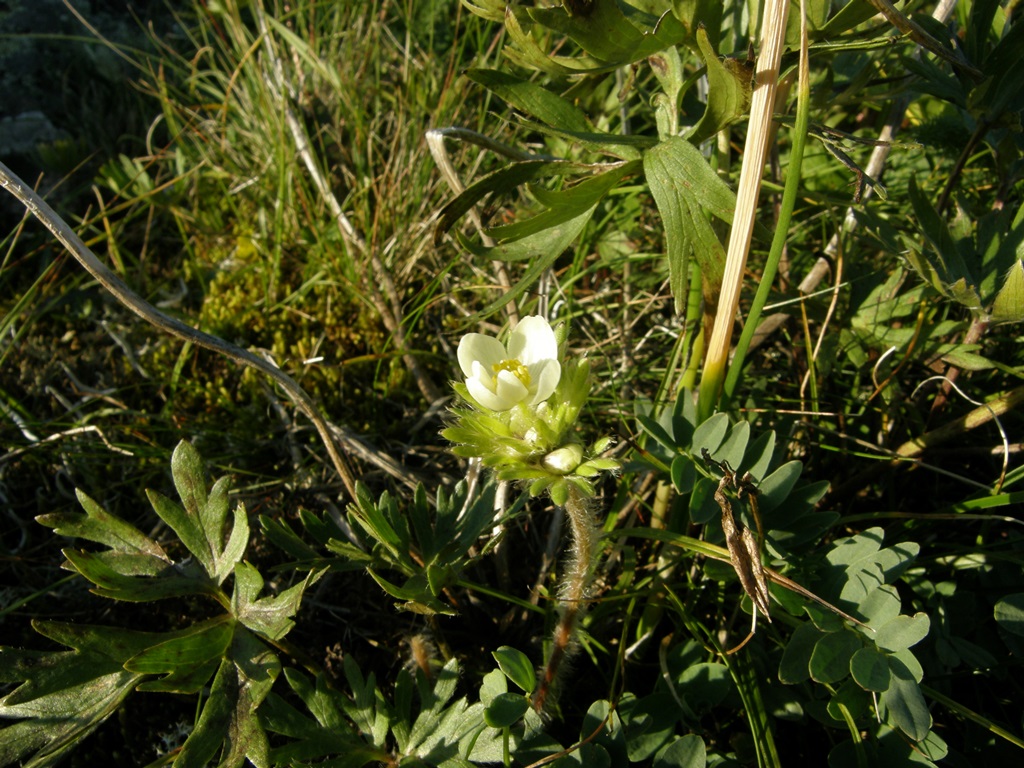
766,80
120,290
983,414
573,592
391,310
873,169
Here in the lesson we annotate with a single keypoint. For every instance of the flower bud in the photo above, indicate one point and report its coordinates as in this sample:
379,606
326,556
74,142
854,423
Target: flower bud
564,460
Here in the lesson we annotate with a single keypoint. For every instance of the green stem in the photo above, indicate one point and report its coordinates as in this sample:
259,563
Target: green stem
743,674
973,716
757,716
858,742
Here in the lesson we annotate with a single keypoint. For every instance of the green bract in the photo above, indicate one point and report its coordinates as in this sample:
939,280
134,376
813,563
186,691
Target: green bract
533,438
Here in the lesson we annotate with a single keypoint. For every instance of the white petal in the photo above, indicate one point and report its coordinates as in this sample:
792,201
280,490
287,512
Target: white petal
477,347
544,375
510,389
533,340
482,373
484,396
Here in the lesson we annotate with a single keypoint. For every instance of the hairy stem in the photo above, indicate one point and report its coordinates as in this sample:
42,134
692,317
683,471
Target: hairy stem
575,585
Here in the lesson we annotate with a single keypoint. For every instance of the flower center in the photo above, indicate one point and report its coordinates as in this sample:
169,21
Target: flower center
516,368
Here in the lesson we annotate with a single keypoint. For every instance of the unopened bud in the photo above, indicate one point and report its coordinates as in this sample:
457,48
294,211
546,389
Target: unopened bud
564,460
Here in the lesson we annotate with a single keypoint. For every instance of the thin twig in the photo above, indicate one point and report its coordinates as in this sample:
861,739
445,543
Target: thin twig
120,290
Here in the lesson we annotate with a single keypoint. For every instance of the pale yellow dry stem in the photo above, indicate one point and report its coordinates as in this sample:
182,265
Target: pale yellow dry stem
766,79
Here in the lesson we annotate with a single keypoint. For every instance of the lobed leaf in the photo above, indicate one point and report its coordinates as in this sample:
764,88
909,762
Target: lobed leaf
102,527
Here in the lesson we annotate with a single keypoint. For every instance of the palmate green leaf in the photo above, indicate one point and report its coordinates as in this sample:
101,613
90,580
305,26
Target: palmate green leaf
492,10
667,67
228,723
200,521
310,740
45,675
796,659
870,669
561,206
65,695
942,265
420,515
459,526
272,616
115,643
288,541
703,13
367,708
415,593
104,528
541,247
830,659
171,581
846,18
729,91
523,50
517,667
58,723
551,243
687,751
963,356
186,652
376,521
904,702
505,181
442,723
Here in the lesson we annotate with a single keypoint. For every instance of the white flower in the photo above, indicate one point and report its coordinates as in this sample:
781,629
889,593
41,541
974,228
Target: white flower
499,376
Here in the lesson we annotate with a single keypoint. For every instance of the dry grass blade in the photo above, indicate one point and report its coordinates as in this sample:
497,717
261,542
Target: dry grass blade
766,80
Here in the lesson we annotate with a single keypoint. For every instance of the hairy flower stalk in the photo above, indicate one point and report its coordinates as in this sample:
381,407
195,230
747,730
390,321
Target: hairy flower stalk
520,404
574,590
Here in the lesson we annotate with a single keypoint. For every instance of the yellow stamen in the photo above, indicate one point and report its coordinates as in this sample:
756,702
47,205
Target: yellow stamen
514,367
